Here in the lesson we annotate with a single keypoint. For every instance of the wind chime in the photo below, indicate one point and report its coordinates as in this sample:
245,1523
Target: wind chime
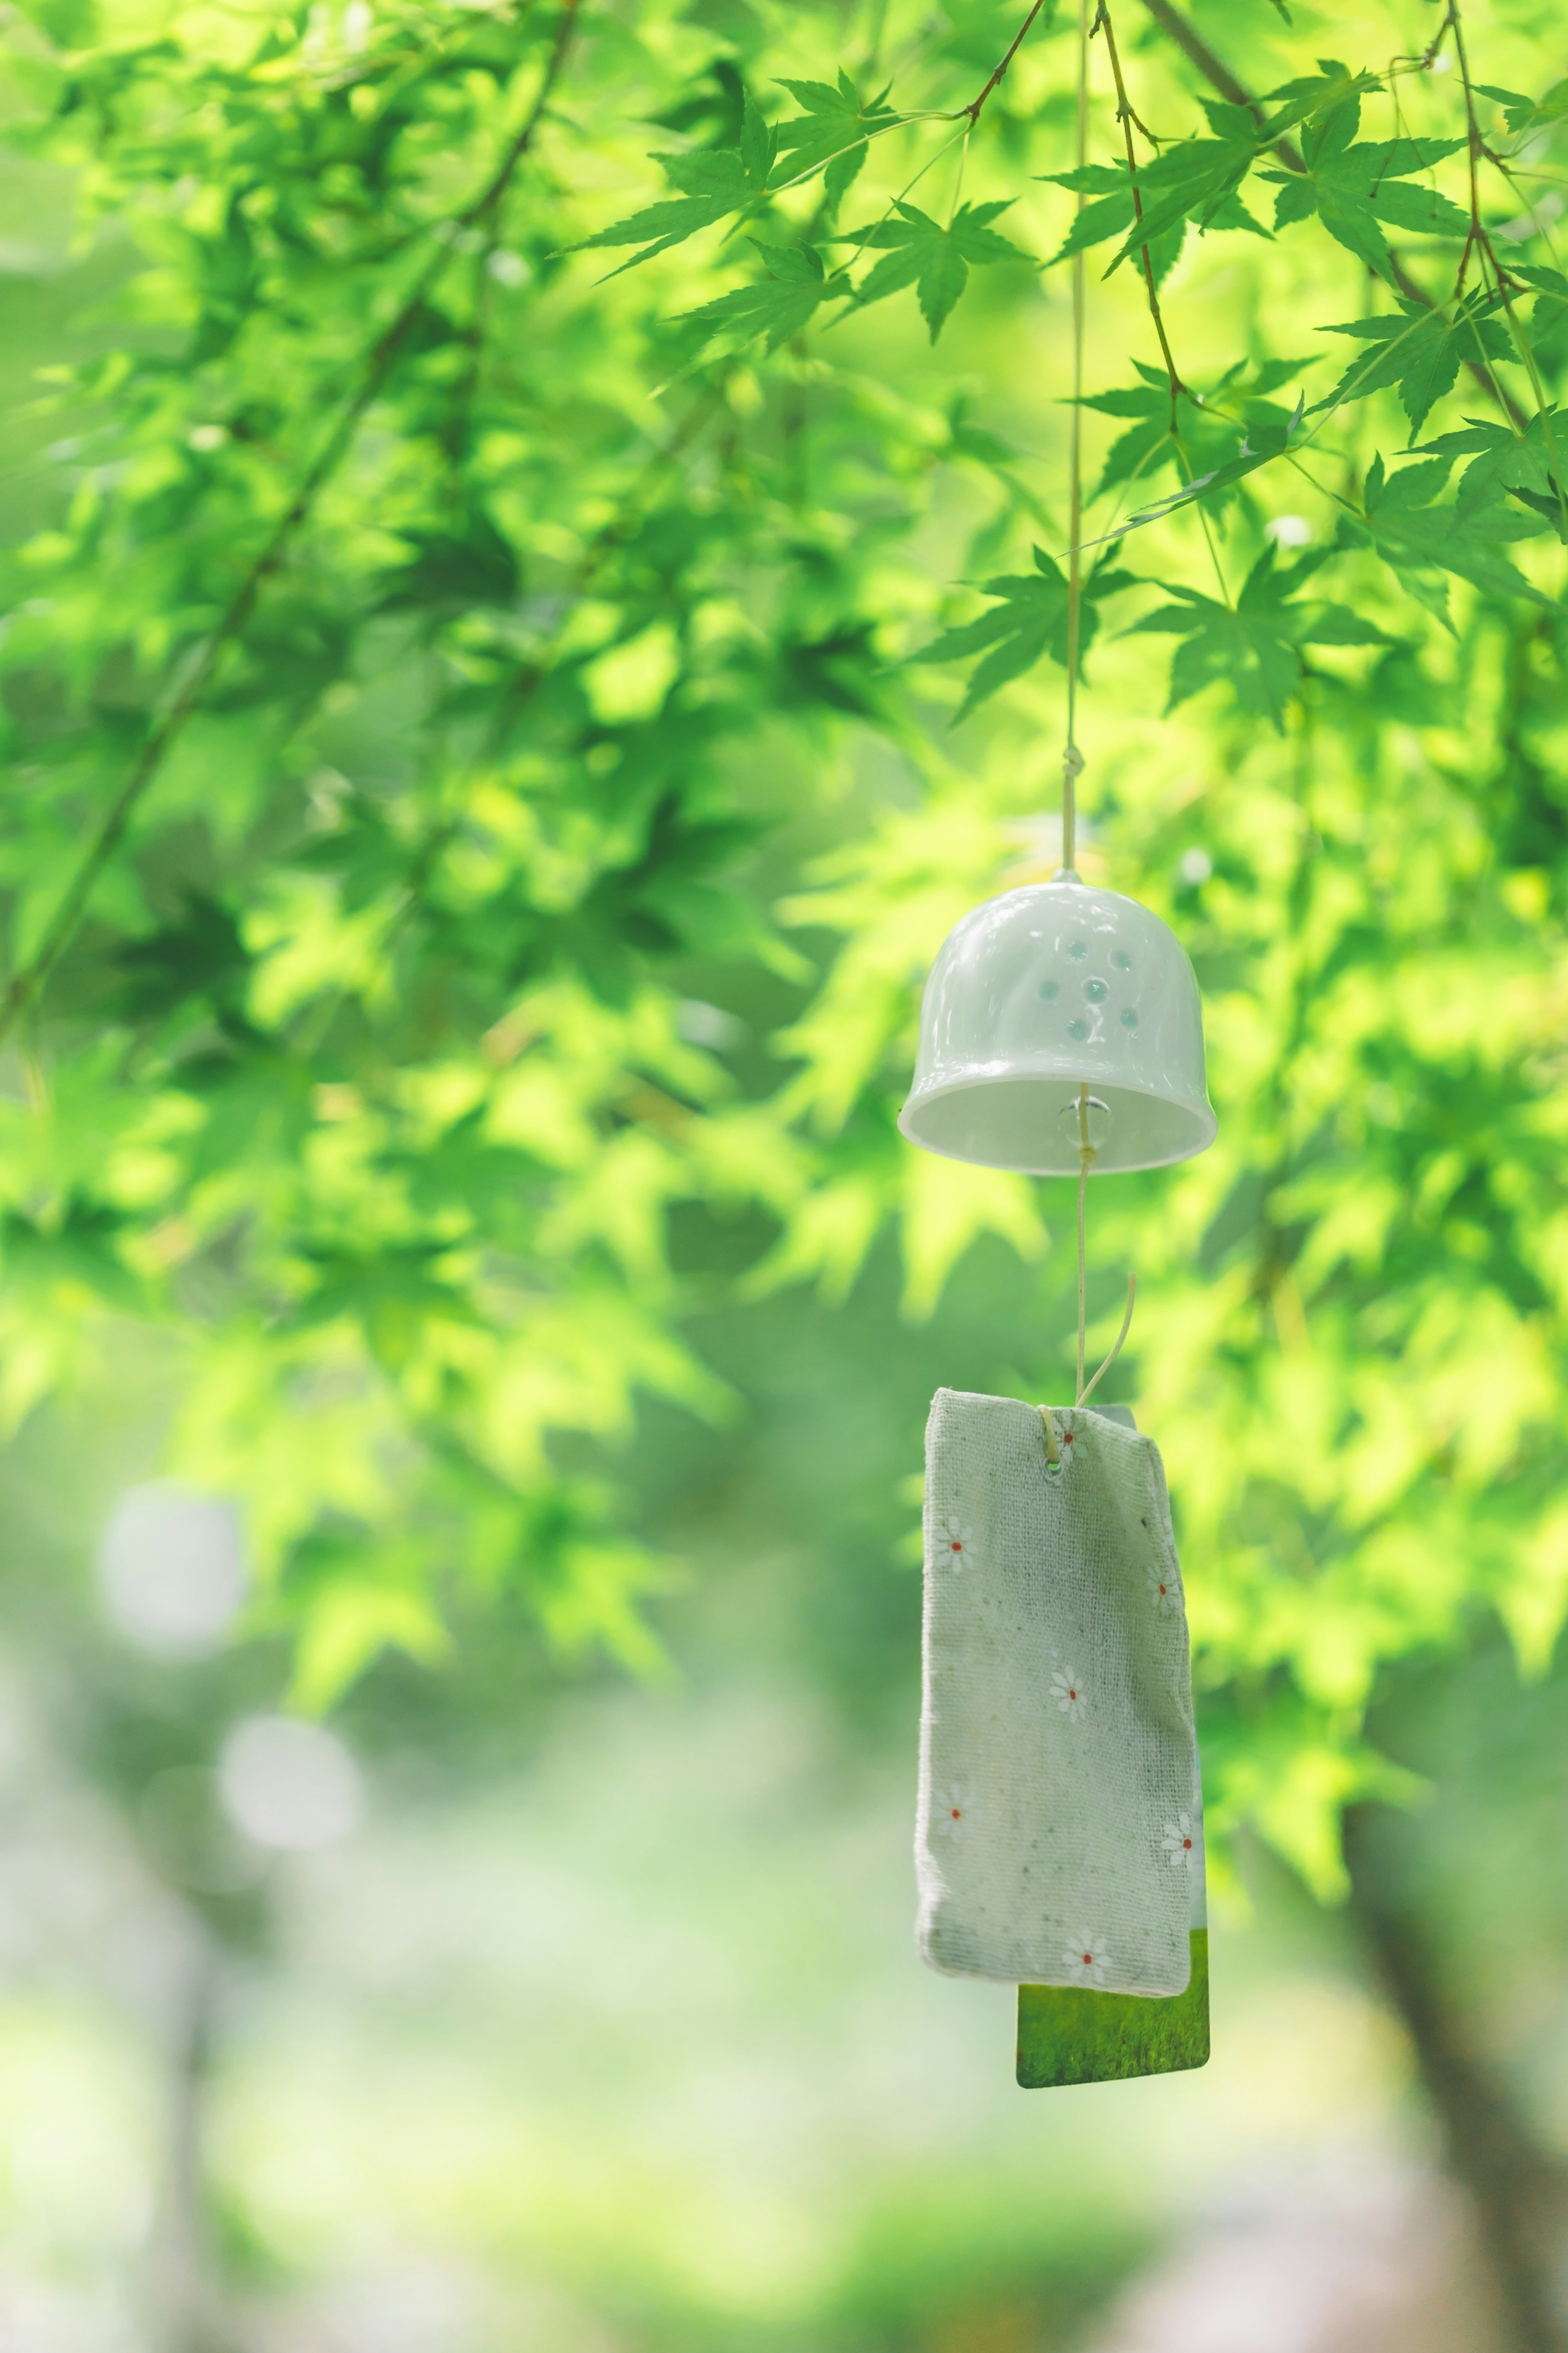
1060,1842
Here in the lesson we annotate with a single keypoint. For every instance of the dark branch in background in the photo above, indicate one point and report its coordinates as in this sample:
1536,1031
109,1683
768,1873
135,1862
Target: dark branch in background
1219,77
1516,2187
25,983
530,675
1213,70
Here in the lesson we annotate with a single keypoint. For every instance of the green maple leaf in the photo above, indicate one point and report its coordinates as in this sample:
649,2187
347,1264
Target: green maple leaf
777,306
1030,620
1111,214
1148,443
831,133
1268,432
1311,97
1204,439
1419,352
1523,113
1548,316
1505,464
1354,187
1196,179
1256,643
919,251
716,182
1418,540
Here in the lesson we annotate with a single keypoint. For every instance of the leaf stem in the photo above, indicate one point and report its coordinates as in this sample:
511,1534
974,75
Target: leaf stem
958,176
1126,118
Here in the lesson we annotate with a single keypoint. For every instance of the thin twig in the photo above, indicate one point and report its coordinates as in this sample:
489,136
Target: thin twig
1219,77
973,108
1125,116
530,675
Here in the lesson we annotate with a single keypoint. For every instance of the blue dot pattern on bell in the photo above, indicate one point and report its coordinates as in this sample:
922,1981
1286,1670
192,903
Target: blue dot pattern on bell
1095,991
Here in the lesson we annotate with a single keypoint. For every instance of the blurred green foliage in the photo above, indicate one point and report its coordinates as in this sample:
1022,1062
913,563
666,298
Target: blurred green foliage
481,815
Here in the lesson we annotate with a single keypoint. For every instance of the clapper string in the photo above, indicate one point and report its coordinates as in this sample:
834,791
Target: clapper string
1086,1156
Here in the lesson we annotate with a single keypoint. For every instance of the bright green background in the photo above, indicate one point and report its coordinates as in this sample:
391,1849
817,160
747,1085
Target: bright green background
460,1129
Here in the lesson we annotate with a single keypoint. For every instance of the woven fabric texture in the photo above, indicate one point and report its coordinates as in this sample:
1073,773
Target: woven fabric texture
1057,1825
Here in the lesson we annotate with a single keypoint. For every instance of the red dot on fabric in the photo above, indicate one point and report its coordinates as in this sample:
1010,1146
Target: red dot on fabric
1186,1842
1089,1960
1071,1694
958,1817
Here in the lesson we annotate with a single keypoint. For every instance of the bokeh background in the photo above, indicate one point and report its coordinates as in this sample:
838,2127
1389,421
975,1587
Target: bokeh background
508,2011
497,1989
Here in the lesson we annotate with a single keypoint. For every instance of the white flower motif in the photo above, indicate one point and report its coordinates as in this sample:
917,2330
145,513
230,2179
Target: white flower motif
1068,1691
1181,1842
1086,1960
954,1812
954,1541
1165,1591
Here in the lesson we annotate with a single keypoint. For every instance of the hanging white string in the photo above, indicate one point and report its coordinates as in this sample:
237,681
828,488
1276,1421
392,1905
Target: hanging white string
1072,758
1086,1159
1126,1326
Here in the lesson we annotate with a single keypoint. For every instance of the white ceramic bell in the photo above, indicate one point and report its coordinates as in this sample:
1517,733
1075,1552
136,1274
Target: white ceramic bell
1034,994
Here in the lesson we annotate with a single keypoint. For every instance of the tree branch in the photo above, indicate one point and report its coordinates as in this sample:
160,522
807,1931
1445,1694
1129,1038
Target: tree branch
1219,76
973,108
1515,2186
25,983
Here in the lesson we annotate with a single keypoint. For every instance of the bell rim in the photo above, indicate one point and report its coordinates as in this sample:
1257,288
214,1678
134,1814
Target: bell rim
1200,1109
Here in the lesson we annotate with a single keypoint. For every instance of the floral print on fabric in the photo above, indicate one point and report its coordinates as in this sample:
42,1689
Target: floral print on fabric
954,1541
1068,1691
1181,1842
1163,1590
954,1812
1087,1960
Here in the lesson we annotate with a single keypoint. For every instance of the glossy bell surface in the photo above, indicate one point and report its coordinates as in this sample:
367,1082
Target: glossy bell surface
1044,990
